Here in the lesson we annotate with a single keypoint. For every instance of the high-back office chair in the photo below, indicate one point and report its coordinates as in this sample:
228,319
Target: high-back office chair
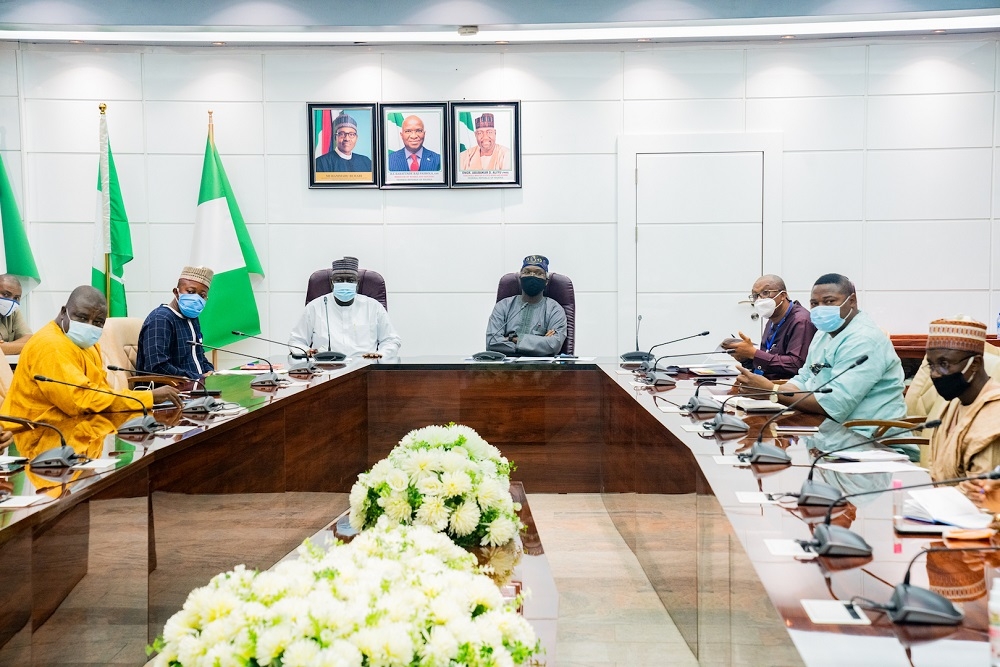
6,375
120,347
370,283
560,289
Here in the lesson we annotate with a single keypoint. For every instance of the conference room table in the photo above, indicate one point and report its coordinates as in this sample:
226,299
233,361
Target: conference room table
90,572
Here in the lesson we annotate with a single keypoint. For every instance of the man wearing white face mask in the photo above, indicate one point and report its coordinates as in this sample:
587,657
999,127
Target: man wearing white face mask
872,390
166,335
346,322
14,331
786,336
66,349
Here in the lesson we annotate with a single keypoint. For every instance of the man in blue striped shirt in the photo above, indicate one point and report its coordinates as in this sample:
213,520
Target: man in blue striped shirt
165,338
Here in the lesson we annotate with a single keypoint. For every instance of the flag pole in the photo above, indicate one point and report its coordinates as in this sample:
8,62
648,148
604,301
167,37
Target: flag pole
211,128
107,256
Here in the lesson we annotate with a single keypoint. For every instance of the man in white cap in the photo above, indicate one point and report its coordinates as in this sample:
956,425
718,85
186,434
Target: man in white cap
346,322
343,158
166,335
487,154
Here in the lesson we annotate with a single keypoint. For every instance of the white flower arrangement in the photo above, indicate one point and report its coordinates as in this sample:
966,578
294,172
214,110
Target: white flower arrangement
445,477
395,596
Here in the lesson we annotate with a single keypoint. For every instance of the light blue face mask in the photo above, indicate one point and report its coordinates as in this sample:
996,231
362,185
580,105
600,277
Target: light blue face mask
82,334
345,291
827,318
190,305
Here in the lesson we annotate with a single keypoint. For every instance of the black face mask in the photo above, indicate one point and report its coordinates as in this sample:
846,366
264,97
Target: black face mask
532,285
951,386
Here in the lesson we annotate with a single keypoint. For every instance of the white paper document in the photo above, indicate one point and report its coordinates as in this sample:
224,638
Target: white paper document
835,612
96,464
176,430
756,405
868,468
18,502
869,455
695,428
944,505
754,498
668,408
728,460
788,548
11,460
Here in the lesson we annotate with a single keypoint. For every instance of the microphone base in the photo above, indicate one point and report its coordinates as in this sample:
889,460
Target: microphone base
769,454
329,356
141,426
57,457
818,493
489,355
912,605
636,356
304,368
700,404
723,423
265,381
658,379
839,542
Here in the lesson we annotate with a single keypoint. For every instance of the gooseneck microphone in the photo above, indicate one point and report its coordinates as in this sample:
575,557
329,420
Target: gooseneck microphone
63,456
306,366
265,381
329,354
204,391
726,423
649,355
136,426
818,493
638,355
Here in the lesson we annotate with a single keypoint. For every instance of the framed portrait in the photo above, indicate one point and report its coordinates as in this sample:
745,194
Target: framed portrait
486,144
414,145
343,145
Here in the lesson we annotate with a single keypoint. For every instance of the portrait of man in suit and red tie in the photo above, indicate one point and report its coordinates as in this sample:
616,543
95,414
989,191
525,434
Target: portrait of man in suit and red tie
413,139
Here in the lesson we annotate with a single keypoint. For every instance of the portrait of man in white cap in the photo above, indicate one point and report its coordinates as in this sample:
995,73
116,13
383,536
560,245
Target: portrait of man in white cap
342,158
487,154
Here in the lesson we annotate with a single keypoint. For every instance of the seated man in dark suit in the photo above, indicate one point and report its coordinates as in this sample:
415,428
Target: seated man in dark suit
413,156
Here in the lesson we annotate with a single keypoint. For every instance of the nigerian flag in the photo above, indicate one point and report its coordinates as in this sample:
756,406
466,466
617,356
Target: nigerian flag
16,250
222,243
112,238
466,133
393,142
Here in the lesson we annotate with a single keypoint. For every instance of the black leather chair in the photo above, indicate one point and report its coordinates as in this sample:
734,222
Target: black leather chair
370,283
559,288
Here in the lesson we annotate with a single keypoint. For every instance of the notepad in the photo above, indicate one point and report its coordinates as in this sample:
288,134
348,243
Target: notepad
19,502
835,612
944,505
756,405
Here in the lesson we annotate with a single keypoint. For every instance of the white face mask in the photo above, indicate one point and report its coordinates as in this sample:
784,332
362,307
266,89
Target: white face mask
765,307
8,307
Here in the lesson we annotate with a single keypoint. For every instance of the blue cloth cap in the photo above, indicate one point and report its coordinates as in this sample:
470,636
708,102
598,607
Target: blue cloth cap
536,260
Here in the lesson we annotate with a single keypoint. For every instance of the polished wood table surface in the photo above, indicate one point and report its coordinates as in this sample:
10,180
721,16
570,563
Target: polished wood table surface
91,572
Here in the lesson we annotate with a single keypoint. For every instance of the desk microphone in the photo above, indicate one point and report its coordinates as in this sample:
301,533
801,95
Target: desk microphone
204,391
649,355
726,423
63,456
268,380
306,366
329,355
819,493
697,404
135,426
638,355
761,453
836,541
689,354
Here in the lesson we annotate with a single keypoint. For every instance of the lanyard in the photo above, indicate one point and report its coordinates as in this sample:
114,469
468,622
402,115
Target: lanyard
774,332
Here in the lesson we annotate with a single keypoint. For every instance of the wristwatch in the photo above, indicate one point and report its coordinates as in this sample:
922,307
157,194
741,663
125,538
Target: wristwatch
774,393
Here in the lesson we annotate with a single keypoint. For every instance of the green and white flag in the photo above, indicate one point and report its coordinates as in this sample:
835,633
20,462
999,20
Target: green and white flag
16,249
466,133
393,142
112,238
223,244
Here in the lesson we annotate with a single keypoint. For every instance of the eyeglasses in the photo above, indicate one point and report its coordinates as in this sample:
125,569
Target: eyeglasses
767,294
352,135
944,367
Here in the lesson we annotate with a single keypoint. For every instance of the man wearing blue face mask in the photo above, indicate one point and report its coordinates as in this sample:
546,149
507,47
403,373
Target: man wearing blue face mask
166,335
66,349
530,324
14,331
346,322
871,390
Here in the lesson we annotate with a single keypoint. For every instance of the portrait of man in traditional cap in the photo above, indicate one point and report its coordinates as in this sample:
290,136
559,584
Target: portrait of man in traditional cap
342,157
487,154
342,145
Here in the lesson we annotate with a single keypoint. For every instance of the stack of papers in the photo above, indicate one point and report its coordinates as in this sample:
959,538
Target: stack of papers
756,405
870,455
944,505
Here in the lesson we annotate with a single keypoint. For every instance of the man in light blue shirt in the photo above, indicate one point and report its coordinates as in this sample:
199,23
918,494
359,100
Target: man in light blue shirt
871,390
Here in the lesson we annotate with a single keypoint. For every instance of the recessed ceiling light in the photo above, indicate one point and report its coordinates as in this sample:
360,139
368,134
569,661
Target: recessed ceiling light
218,43
644,39
76,41
939,32
788,37
502,41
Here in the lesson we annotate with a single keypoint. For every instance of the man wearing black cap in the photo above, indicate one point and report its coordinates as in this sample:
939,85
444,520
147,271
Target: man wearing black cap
530,324
343,158
346,322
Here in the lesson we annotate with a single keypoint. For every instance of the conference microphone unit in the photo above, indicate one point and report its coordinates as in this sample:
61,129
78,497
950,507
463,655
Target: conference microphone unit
62,456
491,355
646,365
697,404
837,541
329,355
204,391
726,423
819,493
637,355
268,380
143,425
772,454
301,368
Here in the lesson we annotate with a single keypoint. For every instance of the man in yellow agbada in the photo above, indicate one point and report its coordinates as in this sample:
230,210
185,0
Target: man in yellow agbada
66,349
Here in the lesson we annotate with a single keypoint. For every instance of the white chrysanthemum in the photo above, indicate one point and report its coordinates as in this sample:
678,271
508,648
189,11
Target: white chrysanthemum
385,644
499,531
491,492
421,463
454,462
223,655
340,653
433,513
300,653
397,507
397,480
440,648
189,650
180,625
271,642
430,486
434,435
465,519
359,495
455,484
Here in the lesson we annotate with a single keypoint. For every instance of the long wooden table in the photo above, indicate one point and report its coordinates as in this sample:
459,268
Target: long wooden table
91,575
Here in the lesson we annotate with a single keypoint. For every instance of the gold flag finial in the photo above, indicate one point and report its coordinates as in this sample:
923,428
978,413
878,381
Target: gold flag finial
211,127
103,107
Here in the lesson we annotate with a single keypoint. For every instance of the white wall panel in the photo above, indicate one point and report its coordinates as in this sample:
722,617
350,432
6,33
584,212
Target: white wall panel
930,121
585,253
417,319
137,275
822,186
63,253
173,250
246,176
925,185
931,67
71,198
805,71
683,116
10,124
182,127
438,258
44,305
289,200
82,74
214,76
139,303
892,246
70,126
699,187
913,311
810,123
286,131
595,325
426,76
8,73
334,77
563,188
670,316
174,182
132,180
437,206
684,74
590,127
298,250
284,311
583,75
671,258
810,249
